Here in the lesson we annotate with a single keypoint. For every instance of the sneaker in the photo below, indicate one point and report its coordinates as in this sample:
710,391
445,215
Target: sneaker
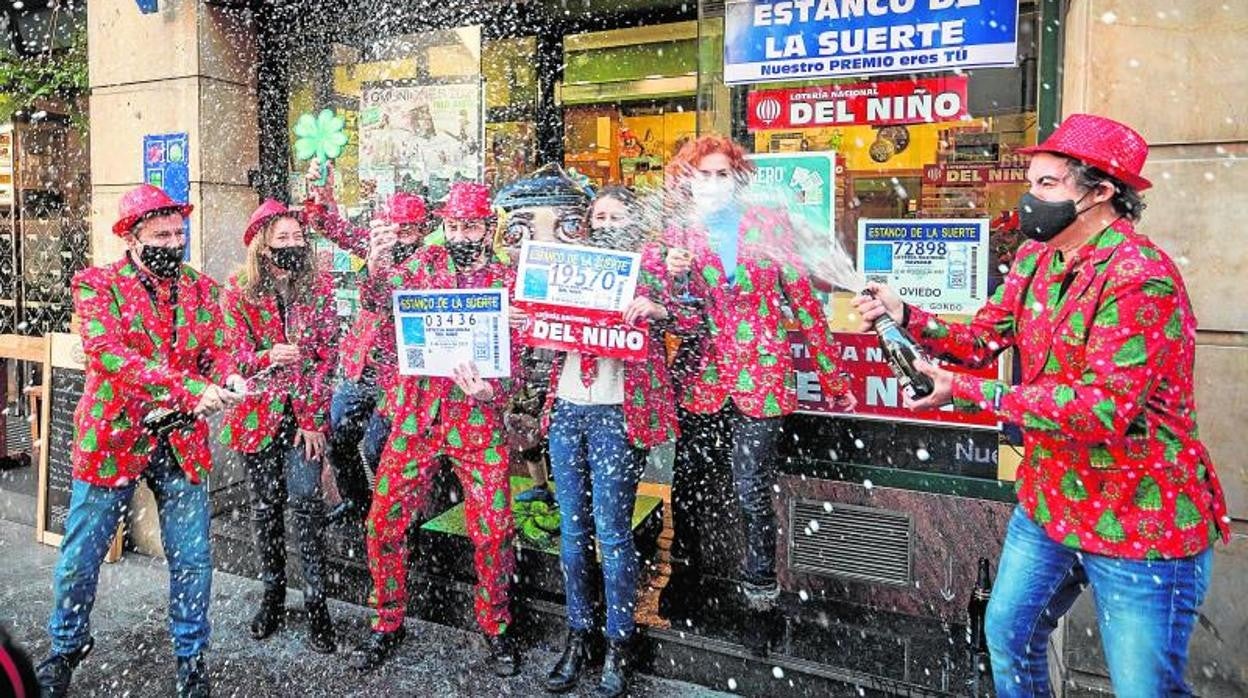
541,493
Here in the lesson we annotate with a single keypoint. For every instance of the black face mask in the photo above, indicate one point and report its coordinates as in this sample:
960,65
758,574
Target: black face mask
292,259
162,261
615,237
1043,220
465,252
403,250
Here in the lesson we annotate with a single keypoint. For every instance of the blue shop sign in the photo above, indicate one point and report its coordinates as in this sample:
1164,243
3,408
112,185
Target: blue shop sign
812,39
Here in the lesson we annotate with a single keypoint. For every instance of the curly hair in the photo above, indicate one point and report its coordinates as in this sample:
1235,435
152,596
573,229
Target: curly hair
1126,200
692,152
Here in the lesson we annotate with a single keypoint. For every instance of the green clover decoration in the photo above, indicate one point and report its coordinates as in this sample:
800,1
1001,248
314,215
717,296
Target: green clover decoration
320,136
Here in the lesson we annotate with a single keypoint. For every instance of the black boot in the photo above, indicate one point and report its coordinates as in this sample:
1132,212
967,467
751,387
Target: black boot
760,617
564,676
680,598
272,614
616,668
376,649
504,659
310,529
55,672
320,628
192,679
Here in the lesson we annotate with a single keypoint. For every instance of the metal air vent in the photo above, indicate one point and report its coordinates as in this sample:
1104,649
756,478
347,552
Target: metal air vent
843,540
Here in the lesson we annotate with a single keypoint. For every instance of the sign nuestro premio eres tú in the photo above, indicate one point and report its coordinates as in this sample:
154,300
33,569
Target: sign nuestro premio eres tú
923,100
770,41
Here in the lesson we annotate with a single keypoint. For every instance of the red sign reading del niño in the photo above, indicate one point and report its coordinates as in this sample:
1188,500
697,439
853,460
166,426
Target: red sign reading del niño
925,100
873,383
598,332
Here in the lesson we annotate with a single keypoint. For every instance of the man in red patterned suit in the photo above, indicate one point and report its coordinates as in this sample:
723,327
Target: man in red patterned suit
1116,490
457,420
153,336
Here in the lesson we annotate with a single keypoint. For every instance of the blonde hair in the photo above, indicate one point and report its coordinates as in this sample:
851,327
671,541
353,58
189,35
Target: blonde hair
256,279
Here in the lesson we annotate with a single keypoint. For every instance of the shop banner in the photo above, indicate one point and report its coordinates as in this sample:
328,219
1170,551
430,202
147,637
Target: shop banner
416,135
895,102
439,330
938,265
577,276
771,41
803,183
599,332
973,175
873,383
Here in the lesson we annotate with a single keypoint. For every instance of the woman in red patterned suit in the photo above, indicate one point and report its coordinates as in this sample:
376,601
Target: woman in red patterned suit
281,321
738,262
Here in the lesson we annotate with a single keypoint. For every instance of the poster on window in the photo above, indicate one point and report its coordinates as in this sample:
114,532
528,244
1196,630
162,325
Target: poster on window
938,265
420,136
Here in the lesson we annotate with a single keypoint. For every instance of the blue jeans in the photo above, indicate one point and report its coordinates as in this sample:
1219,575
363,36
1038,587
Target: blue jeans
94,513
596,469
1145,611
356,429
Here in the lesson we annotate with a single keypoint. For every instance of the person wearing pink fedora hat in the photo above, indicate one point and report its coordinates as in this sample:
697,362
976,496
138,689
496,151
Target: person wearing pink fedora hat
283,326
154,340
357,427
437,419
1116,491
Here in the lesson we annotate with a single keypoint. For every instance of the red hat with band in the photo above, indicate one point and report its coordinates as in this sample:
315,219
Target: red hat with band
267,211
406,208
1114,148
143,201
467,201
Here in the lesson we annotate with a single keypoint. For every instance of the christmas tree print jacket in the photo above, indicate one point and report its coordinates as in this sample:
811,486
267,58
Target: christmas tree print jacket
140,356
744,353
1113,464
357,342
252,328
649,398
416,404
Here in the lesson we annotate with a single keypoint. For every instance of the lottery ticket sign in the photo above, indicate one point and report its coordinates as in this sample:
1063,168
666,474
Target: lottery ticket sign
576,276
938,265
575,296
439,330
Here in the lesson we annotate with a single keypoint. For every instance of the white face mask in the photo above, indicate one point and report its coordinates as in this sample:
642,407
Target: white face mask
711,194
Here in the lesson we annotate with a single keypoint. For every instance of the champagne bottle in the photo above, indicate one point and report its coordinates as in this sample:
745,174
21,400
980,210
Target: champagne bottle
977,608
163,420
902,351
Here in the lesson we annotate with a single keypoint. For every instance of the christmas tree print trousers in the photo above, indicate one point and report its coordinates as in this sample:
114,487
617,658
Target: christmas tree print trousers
404,483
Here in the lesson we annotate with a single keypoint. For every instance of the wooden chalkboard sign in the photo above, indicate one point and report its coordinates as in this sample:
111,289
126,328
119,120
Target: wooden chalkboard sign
66,376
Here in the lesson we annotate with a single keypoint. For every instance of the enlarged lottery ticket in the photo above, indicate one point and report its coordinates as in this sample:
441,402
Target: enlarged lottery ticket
439,330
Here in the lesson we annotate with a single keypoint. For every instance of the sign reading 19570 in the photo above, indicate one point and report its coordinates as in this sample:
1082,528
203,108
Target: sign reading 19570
576,276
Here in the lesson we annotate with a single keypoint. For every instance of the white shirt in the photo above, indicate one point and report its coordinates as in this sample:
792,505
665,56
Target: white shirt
608,386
